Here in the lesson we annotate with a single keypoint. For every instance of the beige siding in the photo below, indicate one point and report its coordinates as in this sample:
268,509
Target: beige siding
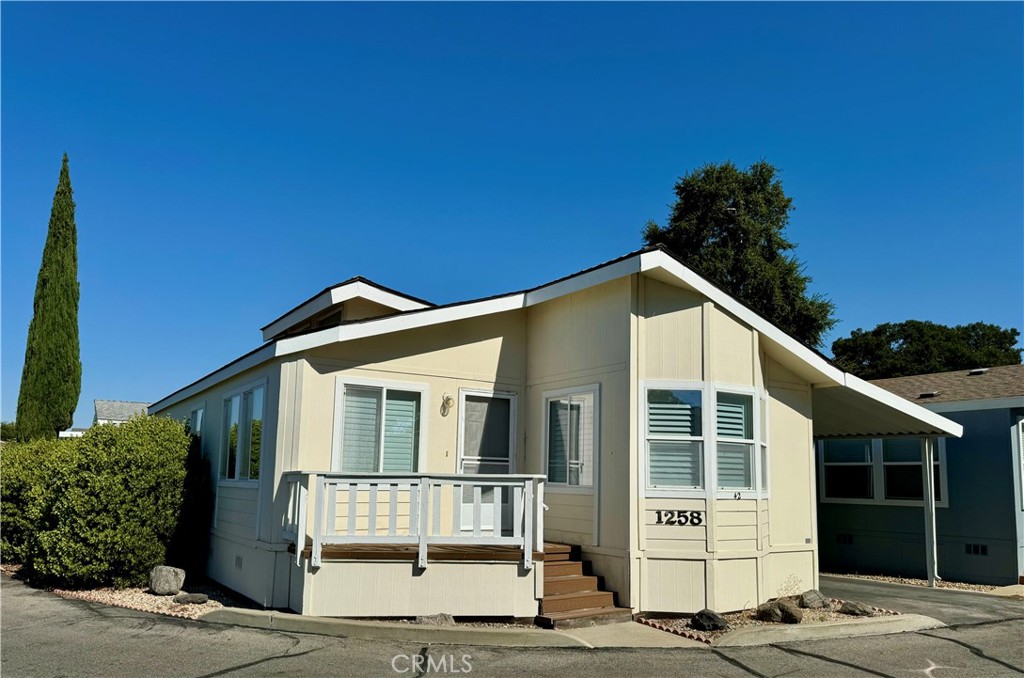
789,573
388,589
583,339
672,332
732,350
237,509
792,483
674,585
736,584
736,523
675,537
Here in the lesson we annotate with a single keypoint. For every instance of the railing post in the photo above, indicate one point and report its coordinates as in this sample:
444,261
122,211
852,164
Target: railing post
424,498
301,521
318,519
528,524
540,514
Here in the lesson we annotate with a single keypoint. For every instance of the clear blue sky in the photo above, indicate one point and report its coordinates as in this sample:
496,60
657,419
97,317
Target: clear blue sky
229,160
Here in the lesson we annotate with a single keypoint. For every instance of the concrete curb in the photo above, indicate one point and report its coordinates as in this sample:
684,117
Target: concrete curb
371,630
875,626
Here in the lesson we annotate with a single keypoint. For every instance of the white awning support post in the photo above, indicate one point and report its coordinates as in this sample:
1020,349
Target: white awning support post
927,468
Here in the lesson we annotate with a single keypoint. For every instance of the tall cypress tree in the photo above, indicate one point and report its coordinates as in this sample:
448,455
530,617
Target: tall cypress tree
51,380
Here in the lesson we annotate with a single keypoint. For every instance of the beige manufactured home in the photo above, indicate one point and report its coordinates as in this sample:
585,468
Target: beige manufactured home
382,456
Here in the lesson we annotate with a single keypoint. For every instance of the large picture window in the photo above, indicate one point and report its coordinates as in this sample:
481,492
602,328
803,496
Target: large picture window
571,436
243,435
380,429
706,440
878,471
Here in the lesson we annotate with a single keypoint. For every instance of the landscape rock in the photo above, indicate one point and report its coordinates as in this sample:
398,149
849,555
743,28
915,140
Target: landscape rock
165,581
191,598
440,619
781,610
813,600
856,609
708,620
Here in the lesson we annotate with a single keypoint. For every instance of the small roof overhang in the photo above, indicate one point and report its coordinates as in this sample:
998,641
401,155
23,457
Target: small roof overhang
859,409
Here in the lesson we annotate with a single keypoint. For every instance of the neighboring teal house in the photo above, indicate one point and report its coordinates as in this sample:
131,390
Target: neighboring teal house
871,492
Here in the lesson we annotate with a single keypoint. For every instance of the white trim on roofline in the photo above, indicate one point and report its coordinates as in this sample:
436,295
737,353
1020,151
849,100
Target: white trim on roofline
973,405
640,262
337,295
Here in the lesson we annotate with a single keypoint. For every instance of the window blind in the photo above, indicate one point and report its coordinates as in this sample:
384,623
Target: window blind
735,467
675,463
673,413
401,431
735,416
558,440
361,429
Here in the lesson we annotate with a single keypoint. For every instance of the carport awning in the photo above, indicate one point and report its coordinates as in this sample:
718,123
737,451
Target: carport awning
857,408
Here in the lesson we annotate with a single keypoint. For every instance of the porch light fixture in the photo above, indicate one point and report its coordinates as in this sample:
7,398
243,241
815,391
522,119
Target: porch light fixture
447,403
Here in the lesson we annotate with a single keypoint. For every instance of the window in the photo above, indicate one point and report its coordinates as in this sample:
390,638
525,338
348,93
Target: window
848,469
734,421
879,471
195,422
243,435
380,429
571,436
675,443
487,430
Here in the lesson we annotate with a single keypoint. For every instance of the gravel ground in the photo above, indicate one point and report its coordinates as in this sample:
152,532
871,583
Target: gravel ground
962,586
144,601
747,618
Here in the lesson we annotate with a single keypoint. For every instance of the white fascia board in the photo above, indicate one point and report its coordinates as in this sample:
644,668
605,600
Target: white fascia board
655,260
583,281
250,361
397,323
337,295
903,405
973,405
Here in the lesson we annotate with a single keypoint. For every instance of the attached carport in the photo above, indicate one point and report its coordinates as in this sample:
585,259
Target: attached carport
853,408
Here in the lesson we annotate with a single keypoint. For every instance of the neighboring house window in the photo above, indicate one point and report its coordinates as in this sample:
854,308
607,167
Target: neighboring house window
243,435
380,429
879,471
675,442
571,436
849,469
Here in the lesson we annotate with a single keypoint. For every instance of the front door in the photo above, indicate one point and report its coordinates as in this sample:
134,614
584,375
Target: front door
487,423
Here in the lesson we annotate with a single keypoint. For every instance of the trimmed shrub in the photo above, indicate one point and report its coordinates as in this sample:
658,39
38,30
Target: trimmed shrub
25,491
112,505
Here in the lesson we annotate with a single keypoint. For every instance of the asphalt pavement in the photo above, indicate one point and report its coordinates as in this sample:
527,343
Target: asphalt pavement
950,606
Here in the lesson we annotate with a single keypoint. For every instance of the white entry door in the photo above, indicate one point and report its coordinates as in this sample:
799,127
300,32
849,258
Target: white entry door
487,426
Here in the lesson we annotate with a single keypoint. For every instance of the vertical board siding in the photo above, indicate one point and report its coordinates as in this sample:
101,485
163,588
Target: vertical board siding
673,585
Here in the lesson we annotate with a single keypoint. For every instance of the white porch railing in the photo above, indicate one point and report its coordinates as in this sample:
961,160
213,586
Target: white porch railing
414,508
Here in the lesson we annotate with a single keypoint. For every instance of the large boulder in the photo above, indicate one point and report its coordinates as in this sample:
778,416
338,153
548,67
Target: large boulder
856,609
780,611
708,620
440,619
165,580
813,600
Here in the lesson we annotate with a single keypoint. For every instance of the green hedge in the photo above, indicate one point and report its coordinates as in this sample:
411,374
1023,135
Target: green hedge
104,506
24,469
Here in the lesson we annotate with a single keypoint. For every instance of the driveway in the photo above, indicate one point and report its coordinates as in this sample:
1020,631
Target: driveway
947,605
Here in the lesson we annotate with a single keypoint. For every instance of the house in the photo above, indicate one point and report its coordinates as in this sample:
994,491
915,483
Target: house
382,456
116,411
871,492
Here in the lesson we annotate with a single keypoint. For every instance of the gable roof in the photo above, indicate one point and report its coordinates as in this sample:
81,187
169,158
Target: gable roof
118,410
356,287
845,392
1006,381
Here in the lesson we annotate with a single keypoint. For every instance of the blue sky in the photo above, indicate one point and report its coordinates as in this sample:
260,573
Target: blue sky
229,160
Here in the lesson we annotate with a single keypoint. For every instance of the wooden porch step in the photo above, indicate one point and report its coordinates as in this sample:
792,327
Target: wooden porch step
579,600
561,568
588,617
560,552
569,584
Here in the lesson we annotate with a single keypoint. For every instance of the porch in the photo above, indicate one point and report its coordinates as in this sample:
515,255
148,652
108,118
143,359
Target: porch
402,544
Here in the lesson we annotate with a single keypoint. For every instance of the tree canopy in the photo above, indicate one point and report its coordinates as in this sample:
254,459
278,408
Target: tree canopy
922,347
728,226
51,380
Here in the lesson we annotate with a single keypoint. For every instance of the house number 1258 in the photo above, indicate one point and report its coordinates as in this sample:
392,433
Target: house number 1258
679,518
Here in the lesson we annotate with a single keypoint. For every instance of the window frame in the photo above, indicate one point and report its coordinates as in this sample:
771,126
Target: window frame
566,488
240,391
337,442
199,407
513,425
878,465
709,440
